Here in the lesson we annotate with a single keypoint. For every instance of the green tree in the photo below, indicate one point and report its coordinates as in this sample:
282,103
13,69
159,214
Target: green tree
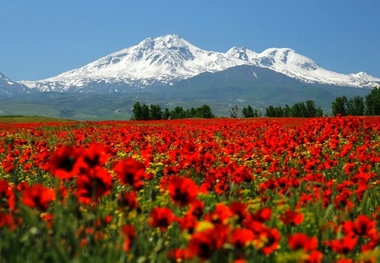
205,112
287,111
339,106
192,113
145,112
311,109
178,113
166,114
234,111
319,112
355,106
272,111
372,102
137,111
155,112
299,109
247,112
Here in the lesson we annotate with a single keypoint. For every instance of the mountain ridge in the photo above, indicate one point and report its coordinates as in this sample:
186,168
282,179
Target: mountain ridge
9,88
168,59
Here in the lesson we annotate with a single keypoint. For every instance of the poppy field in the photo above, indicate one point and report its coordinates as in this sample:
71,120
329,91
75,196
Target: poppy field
197,190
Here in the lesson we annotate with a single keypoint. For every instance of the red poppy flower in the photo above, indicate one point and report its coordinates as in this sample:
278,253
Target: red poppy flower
344,260
290,217
196,209
220,215
178,255
182,190
188,223
203,244
94,156
161,217
128,199
267,240
314,257
241,174
240,210
62,162
222,186
131,172
48,218
130,235
342,200
302,241
93,185
349,167
37,196
6,220
7,164
373,242
241,236
263,214
343,245
363,225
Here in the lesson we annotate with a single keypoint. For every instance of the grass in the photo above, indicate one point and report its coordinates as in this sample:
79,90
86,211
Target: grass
28,119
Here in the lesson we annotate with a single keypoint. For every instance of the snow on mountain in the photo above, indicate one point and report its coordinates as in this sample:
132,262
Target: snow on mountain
4,80
170,58
161,59
9,88
294,65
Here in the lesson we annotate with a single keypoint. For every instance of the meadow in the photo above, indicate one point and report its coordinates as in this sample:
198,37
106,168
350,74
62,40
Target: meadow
215,190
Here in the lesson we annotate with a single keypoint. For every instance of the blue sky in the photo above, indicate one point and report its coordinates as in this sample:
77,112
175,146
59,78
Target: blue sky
43,38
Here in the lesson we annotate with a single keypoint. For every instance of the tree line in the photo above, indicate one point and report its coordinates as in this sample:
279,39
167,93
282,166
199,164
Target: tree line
358,106
306,109
154,112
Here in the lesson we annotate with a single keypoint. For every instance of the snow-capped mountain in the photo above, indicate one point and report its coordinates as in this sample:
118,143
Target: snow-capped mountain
4,79
162,59
9,88
168,59
290,63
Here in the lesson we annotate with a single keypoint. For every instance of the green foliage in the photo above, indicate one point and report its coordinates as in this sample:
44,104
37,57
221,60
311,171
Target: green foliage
306,109
272,111
154,112
372,102
178,113
249,112
137,111
166,114
344,106
357,106
204,112
339,106
234,111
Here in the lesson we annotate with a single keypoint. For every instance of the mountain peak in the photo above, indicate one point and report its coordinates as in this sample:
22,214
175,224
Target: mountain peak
170,38
161,42
170,58
364,76
8,88
3,78
242,53
286,60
